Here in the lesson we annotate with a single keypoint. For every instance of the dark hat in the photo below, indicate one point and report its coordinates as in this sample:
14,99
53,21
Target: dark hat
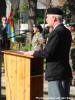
39,27
54,10
72,24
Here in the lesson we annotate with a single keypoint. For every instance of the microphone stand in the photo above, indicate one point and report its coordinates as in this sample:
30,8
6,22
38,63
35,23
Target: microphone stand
25,31
20,34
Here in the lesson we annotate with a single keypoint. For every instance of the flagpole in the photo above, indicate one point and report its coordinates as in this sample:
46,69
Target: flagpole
19,31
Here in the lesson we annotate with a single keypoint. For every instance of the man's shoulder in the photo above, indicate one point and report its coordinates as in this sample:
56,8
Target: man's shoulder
1,24
59,27
62,28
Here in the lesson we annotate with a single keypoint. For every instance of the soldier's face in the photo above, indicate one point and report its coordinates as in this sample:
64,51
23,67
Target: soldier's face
35,29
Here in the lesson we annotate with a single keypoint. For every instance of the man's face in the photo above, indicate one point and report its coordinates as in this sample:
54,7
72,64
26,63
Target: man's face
50,19
4,20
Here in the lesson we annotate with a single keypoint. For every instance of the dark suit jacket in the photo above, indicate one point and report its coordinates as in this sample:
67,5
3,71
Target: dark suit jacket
4,42
56,53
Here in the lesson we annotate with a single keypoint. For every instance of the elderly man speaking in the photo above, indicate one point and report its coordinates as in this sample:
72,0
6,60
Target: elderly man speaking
56,52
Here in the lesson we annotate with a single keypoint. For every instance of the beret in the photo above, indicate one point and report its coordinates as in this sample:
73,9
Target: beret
54,10
38,26
72,24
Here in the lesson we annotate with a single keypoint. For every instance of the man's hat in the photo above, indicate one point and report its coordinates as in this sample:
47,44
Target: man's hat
54,10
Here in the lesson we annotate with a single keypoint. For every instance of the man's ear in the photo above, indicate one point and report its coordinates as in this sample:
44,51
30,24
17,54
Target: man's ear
55,19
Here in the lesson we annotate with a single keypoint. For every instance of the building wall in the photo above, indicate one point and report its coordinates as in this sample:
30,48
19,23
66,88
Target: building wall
7,8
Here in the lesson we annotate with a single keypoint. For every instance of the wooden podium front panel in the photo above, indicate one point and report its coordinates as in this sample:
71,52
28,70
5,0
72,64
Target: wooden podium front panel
17,73
24,77
11,77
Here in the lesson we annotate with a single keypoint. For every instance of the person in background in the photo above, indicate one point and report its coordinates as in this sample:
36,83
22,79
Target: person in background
72,30
58,70
37,40
4,41
2,36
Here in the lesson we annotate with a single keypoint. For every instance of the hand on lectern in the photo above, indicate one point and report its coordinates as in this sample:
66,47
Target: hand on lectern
29,53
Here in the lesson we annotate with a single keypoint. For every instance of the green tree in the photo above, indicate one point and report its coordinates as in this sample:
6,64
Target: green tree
68,7
71,6
2,8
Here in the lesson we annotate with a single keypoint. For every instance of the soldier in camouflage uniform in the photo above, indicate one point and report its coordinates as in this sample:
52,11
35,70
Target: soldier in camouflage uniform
37,40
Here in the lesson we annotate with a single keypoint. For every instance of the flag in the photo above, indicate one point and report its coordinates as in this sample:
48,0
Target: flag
10,28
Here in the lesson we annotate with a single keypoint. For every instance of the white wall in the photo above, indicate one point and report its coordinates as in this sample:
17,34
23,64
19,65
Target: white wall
7,8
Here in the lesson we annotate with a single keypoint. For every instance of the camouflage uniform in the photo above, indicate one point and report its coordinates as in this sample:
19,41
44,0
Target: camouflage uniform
38,42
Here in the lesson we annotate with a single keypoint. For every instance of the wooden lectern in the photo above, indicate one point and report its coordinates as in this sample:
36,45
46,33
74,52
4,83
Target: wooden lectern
24,76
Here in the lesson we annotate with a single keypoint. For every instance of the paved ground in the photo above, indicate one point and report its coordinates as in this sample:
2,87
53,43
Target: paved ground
45,97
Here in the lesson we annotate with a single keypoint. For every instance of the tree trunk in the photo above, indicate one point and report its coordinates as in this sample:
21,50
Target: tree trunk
49,3
32,13
32,19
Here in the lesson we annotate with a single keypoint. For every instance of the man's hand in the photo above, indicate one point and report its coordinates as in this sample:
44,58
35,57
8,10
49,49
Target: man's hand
29,53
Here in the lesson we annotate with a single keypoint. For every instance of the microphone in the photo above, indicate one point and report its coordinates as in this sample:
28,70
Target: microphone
28,31
25,31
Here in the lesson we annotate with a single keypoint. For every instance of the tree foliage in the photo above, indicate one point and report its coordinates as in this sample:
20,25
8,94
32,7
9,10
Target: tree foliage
71,4
2,8
69,9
